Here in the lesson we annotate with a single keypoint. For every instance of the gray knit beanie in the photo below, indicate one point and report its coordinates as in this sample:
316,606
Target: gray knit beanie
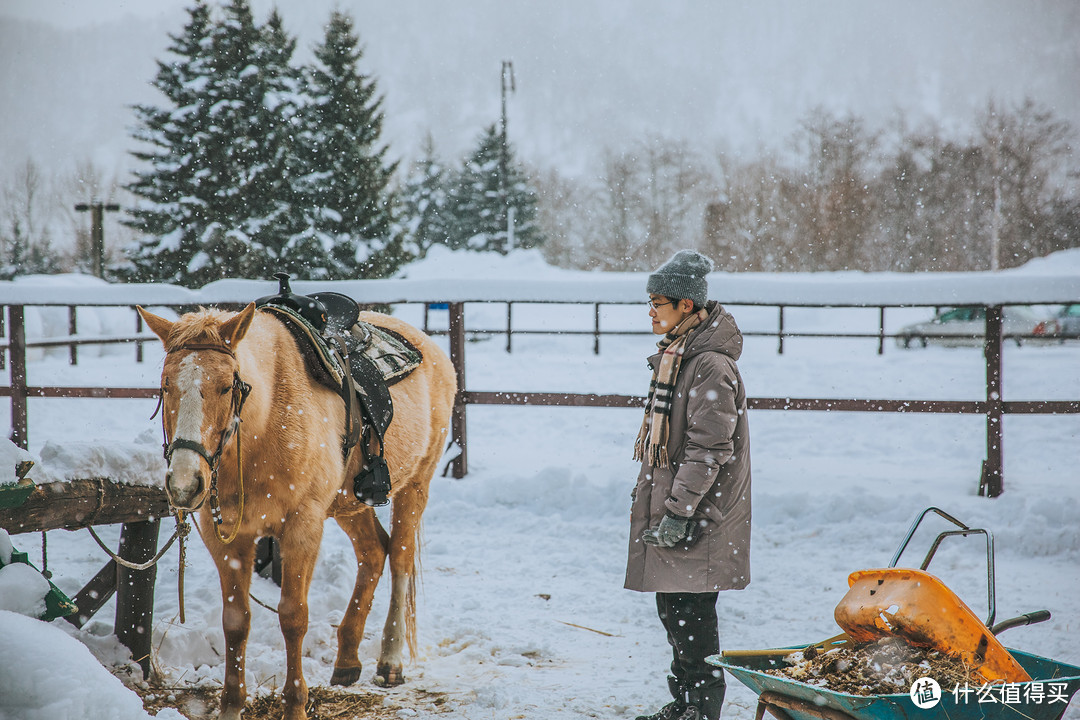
683,276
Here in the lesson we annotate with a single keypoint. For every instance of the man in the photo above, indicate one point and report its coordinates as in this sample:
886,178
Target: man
690,519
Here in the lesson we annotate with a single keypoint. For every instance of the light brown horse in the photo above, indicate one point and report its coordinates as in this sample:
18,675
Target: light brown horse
236,383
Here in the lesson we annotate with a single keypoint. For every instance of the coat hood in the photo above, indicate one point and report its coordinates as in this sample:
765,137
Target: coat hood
718,333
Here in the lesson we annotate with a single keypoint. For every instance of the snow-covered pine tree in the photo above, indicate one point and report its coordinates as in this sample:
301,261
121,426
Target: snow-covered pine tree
276,160
424,201
171,211
477,206
343,182
249,93
216,200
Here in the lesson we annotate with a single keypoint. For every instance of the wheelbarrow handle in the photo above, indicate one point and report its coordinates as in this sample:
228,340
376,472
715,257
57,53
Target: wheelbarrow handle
1027,619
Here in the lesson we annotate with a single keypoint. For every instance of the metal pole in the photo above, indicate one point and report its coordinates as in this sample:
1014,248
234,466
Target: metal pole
507,84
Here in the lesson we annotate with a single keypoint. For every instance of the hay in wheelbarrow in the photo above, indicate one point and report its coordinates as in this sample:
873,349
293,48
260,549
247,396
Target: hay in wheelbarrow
884,667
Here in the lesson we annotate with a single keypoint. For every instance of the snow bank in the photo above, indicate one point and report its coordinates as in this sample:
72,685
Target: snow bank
129,463
522,276
40,659
23,590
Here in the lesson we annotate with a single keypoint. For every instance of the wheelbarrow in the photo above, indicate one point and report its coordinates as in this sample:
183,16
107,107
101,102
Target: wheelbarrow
1043,693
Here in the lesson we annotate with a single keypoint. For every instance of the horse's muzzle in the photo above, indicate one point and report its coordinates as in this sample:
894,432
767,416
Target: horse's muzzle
188,498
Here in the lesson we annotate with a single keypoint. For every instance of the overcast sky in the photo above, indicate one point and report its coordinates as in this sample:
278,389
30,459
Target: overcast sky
590,73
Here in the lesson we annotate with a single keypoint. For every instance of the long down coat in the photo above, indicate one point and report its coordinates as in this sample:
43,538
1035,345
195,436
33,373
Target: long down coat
708,474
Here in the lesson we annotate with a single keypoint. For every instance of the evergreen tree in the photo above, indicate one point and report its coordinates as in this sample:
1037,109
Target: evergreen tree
171,212
343,182
216,201
248,149
488,184
425,203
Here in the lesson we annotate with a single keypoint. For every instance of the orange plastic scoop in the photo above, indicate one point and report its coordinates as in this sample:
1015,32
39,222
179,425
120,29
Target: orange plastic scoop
916,606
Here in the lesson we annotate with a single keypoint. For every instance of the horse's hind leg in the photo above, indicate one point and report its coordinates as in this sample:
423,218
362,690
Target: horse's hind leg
409,504
370,542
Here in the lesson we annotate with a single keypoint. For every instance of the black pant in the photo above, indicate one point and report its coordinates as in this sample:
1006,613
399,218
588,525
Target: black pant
690,622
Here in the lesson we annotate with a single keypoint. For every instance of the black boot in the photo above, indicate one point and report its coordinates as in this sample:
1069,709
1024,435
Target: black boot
674,709
705,701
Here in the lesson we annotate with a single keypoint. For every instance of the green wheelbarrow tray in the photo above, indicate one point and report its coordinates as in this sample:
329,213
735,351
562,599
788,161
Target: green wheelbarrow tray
794,700
57,604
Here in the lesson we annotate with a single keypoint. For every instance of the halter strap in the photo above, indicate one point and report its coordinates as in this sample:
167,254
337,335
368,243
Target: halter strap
206,346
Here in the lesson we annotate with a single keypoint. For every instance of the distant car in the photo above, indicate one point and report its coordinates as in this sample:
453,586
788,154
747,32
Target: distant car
962,326
1066,324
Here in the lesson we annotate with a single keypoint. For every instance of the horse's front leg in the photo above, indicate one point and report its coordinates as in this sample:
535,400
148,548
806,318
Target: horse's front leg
299,550
234,564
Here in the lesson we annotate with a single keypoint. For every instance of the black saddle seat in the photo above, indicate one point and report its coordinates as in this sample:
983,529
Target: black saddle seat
342,312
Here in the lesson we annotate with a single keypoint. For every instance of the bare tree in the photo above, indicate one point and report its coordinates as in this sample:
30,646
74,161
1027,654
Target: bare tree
1026,151
752,225
837,205
652,202
565,213
25,239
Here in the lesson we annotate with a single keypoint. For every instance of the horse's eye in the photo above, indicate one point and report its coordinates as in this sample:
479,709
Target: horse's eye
226,390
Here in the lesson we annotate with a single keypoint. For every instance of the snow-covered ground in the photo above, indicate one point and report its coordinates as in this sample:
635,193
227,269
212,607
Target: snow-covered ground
522,612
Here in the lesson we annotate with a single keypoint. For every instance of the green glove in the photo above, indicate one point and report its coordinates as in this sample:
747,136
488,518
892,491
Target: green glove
669,532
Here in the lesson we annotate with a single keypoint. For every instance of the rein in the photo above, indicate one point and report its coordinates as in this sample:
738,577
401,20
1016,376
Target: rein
240,392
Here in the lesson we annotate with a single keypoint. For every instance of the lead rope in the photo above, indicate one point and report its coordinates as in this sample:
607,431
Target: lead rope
182,518
215,508
138,566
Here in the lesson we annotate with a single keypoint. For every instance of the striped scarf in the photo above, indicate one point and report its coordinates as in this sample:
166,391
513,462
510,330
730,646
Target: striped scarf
652,439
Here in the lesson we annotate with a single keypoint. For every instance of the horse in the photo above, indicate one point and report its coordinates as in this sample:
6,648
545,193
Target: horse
237,382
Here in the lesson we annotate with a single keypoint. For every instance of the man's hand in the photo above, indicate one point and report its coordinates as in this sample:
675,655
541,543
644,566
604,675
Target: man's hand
669,532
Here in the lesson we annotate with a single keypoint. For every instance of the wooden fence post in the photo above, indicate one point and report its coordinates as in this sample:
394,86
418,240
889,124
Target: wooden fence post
17,349
73,329
881,331
780,333
991,484
457,358
596,329
509,324
135,590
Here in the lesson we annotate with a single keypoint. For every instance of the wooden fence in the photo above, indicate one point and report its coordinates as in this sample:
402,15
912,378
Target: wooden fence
994,407
96,501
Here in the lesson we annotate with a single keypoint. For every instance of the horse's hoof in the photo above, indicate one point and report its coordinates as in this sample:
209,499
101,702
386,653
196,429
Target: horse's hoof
345,676
386,676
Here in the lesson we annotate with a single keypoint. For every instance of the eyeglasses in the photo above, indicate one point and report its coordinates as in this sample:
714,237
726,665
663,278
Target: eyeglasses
656,306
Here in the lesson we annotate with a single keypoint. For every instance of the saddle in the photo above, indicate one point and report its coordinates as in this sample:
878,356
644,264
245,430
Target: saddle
360,362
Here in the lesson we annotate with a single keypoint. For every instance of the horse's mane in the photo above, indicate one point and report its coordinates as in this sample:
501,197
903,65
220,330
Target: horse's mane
202,327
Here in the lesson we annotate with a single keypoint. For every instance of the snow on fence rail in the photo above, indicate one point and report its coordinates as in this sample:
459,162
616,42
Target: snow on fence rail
884,290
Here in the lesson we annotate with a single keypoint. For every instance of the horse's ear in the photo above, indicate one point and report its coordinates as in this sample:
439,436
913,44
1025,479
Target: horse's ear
234,329
159,325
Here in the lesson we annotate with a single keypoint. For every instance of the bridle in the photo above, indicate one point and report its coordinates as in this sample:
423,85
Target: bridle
240,392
